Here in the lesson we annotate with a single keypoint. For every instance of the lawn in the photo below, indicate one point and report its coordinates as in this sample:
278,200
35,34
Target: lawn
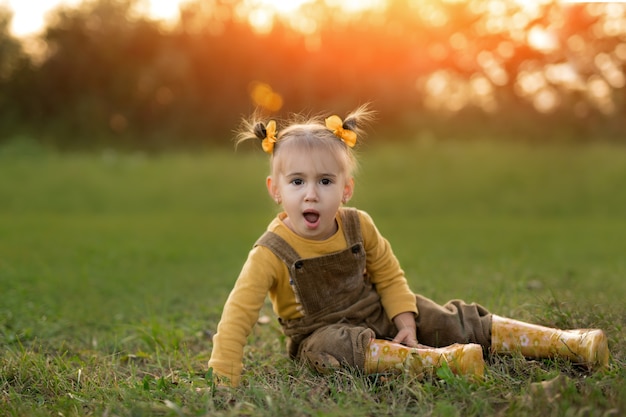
114,268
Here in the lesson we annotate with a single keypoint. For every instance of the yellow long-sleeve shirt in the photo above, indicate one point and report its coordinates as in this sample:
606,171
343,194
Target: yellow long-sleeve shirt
263,273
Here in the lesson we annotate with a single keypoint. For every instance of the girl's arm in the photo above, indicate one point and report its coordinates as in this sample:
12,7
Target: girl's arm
240,314
385,272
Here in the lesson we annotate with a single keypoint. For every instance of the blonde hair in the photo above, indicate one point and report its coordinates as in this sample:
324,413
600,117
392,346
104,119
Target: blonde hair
307,134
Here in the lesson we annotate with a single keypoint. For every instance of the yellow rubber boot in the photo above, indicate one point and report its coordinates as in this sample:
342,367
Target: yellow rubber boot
385,356
587,347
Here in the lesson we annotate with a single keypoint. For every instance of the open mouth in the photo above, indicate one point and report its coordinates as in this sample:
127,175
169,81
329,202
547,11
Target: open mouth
311,217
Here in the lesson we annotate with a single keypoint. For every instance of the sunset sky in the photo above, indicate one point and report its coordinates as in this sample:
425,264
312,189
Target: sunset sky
29,15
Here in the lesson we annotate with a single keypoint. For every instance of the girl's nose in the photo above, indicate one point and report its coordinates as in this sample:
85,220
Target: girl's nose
311,194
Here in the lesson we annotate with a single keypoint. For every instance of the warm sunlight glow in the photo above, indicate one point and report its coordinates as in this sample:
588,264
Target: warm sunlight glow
29,16
263,96
163,9
299,15
262,13
278,6
542,39
356,6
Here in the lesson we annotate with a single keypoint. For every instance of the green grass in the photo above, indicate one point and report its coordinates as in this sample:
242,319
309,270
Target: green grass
114,269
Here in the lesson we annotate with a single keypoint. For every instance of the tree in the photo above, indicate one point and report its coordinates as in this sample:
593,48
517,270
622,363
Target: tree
12,59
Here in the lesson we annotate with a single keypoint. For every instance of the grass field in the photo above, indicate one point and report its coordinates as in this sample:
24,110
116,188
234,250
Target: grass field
114,268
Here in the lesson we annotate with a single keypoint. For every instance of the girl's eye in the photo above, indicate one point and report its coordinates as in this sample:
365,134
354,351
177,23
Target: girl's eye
297,181
325,181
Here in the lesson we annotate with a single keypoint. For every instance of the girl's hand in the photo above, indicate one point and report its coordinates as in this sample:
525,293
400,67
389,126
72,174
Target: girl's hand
405,323
407,338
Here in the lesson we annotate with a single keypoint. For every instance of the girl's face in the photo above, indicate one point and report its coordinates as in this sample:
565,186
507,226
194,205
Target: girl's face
311,186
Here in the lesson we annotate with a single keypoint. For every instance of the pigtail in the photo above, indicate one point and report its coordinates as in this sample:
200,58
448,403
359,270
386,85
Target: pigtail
259,130
360,119
352,127
248,130
256,129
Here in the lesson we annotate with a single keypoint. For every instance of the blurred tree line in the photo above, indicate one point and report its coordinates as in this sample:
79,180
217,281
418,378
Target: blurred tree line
108,76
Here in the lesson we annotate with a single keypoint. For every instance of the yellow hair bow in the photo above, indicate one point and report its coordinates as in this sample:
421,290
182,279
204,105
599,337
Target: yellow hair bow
335,124
270,137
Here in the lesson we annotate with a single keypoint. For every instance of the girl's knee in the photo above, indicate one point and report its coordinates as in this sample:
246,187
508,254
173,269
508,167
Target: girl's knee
336,347
323,362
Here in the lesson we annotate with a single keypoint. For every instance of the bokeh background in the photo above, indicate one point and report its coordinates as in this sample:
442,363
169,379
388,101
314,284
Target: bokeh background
101,74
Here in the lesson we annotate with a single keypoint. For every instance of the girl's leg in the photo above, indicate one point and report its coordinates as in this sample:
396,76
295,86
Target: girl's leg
336,346
459,322
385,356
454,322
582,346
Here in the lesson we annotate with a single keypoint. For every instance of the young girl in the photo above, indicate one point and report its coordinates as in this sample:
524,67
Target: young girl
339,292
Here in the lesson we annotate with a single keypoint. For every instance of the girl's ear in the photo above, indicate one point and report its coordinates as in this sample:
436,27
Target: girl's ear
272,189
348,190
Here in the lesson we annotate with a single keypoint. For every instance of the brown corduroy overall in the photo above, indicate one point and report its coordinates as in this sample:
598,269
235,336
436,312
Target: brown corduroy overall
343,312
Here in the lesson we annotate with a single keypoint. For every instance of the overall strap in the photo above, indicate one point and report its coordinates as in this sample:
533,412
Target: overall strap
279,246
351,225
